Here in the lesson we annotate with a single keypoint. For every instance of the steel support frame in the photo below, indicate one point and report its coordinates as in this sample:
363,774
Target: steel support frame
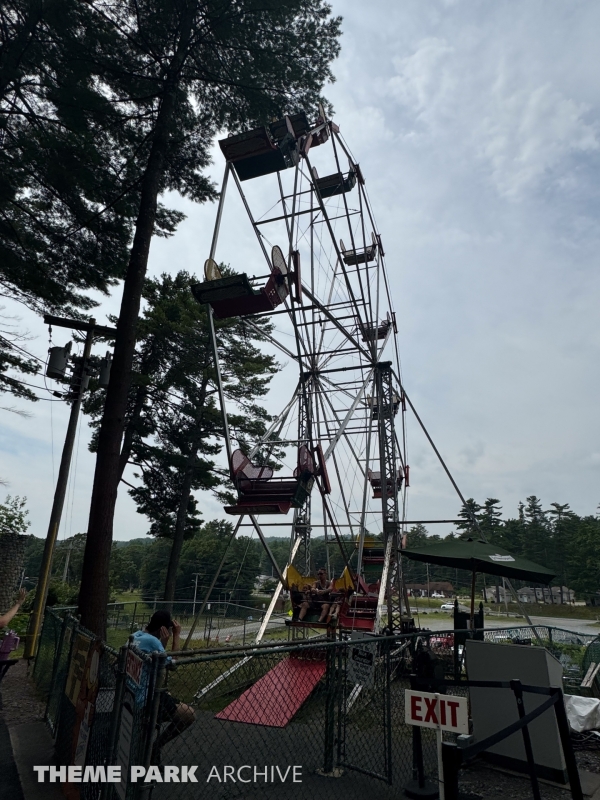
391,591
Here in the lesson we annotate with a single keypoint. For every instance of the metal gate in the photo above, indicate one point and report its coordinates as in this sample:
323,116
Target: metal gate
364,711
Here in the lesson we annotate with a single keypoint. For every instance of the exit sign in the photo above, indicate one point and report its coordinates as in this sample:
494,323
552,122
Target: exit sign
442,711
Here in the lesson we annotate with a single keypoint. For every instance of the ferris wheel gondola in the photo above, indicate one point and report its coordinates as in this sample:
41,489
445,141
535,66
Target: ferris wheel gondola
341,431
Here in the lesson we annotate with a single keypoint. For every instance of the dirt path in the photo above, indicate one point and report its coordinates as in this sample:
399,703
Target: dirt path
19,700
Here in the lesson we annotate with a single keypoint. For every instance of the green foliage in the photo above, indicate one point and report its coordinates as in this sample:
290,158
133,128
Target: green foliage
67,551
202,554
68,181
69,554
470,514
19,624
154,568
556,538
126,563
174,427
12,357
59,594
13,515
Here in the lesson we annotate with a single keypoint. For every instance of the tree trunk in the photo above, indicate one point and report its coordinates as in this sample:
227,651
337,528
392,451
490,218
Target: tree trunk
94,592
184,499
140,399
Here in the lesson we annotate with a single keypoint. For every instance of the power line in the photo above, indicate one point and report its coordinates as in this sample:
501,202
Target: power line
16,346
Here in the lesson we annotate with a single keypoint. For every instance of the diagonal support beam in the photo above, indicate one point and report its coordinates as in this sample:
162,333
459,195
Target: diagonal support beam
267,548
280,420
348,417
276,594
327,313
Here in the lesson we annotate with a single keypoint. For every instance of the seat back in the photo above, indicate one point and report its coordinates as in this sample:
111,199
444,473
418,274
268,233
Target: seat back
242,468
305,462
245,145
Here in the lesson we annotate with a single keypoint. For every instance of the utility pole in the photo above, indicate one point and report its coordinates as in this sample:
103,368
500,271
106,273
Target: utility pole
41,594
67,559
195,591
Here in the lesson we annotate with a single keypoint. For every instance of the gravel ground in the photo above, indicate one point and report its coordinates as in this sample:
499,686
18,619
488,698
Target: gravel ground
19,700
481,782
19,704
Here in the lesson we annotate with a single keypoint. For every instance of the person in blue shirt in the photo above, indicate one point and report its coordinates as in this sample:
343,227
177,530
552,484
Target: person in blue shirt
155,638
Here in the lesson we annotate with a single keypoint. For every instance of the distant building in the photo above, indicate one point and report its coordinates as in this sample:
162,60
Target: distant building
436,589
496,594
528,594
548,594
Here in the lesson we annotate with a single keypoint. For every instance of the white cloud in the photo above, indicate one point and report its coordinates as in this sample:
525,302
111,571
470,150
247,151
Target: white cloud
528,133
424,80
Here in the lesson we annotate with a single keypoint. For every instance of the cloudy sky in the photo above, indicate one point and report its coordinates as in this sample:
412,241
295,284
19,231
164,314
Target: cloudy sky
477,127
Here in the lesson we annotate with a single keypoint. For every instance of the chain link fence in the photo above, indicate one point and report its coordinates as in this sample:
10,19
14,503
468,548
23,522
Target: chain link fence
221,622
320,716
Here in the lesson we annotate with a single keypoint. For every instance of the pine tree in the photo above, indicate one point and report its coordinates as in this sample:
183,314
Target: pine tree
470,514
203,66
537,533
561,529
173,427
68,177
490,518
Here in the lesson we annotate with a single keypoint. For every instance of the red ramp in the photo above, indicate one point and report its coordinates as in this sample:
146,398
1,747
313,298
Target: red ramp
277,696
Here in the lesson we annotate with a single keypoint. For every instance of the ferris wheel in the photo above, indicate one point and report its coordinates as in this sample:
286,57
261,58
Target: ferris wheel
332,463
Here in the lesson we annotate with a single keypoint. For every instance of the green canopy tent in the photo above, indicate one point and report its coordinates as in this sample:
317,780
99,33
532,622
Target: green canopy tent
475,556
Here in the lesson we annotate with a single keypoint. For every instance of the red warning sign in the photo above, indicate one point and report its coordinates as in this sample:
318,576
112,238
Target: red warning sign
442,711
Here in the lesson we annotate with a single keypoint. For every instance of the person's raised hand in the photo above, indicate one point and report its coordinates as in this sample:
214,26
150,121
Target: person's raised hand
176,629
164,636
22,596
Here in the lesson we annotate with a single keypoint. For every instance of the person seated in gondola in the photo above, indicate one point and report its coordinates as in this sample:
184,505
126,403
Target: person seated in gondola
337,597
307,602
297,598
319,597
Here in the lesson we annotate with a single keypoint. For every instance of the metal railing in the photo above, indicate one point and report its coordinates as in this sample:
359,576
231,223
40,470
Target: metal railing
454,757
330,707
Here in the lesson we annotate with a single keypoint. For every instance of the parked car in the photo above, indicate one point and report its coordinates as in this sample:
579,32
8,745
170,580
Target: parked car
447,607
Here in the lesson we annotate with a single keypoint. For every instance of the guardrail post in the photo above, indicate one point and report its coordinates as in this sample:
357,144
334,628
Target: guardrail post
158,686
419,787
75,624
388,707
115,720
451,763
565,739
515,685
57,652
330,683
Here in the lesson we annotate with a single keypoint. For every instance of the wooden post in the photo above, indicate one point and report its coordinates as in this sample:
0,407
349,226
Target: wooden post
473,600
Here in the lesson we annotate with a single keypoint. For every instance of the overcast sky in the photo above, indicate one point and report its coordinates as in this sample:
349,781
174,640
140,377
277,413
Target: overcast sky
477,127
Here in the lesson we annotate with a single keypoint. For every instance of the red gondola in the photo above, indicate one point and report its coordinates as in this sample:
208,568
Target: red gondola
235,296
262,493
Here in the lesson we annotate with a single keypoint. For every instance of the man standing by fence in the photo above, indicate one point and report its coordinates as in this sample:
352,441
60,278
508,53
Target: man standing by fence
155,638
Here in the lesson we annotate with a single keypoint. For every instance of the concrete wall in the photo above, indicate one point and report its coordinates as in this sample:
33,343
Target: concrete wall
12,557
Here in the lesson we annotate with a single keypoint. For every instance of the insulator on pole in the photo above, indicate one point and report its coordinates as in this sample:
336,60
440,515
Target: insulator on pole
58,361
85,380
105,366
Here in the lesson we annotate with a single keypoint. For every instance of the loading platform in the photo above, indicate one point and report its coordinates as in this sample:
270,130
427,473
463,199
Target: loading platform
275,698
